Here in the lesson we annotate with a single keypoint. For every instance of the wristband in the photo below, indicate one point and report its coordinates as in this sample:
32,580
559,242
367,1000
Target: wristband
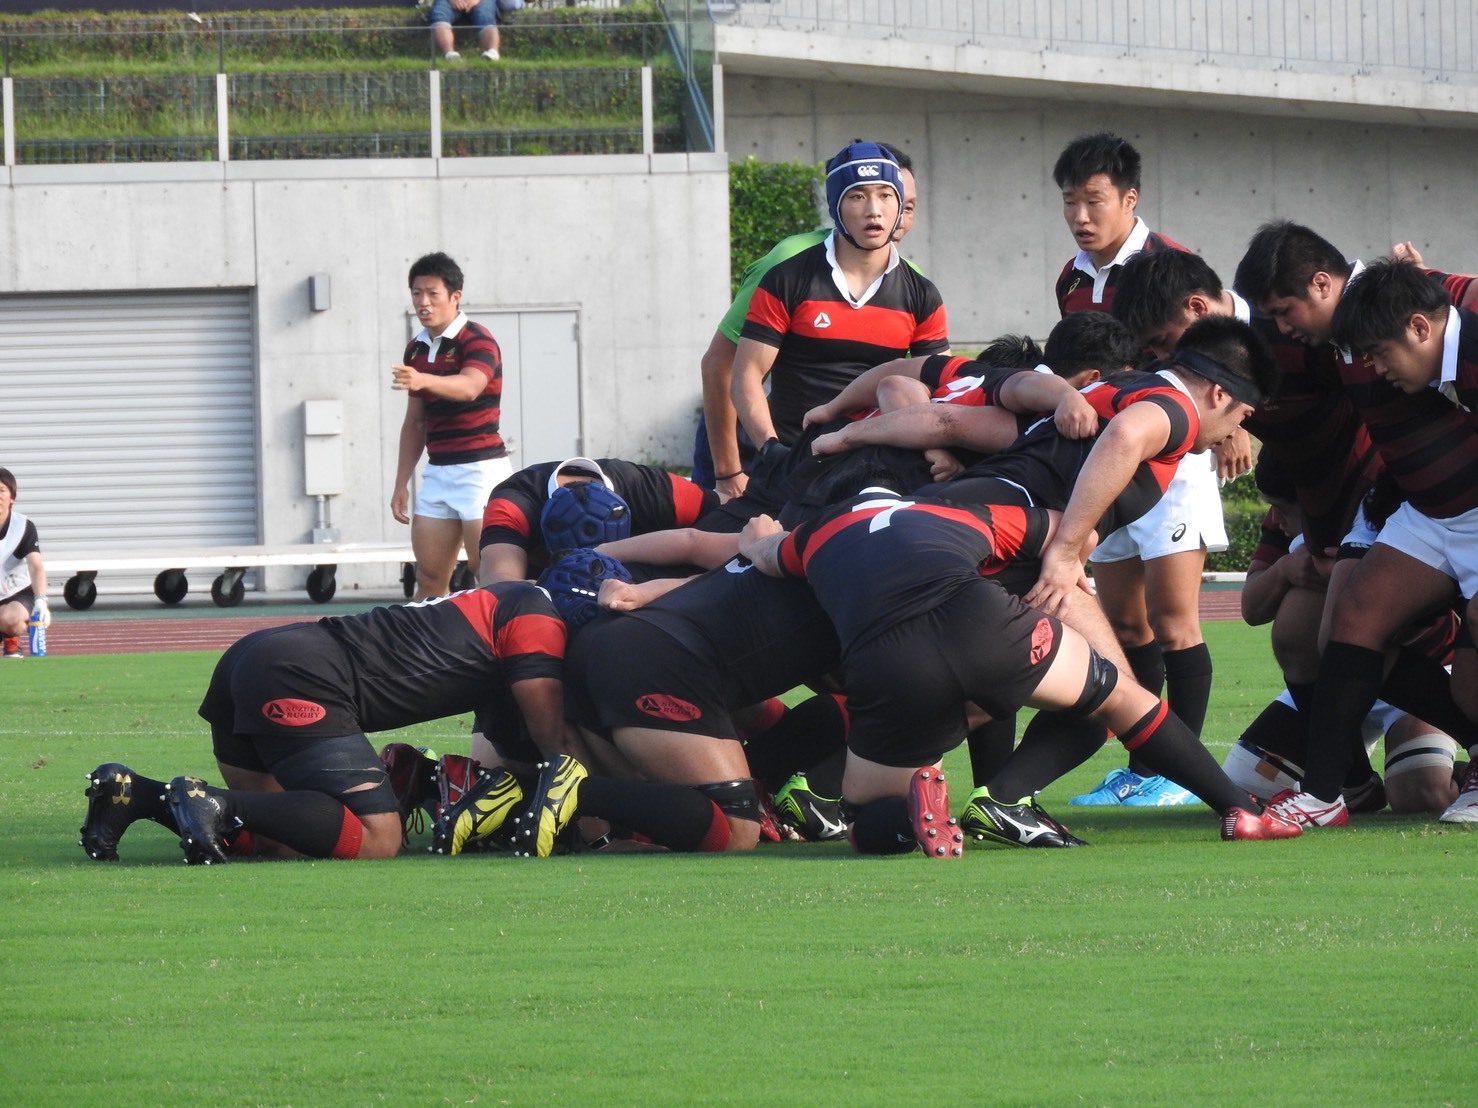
727,476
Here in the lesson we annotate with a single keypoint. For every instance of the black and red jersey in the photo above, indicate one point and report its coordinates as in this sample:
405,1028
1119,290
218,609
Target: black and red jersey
825,340
1272,542
768,634
459,431
1428,444
658,500
878,560
1464,385
1077,291
415,662
1046,464
952,379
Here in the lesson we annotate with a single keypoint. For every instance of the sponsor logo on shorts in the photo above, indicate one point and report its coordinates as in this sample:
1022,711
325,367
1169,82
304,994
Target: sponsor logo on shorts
1042,638
293,713
1178,534
667,707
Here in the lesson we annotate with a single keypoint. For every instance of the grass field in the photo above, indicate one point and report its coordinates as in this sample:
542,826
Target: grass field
1158,966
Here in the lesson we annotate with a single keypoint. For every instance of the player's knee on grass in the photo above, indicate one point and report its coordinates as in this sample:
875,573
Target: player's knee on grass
1418,767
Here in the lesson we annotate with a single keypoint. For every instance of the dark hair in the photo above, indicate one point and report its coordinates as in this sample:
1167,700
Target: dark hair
903,160
1152,286
1281,259
1012,352
1234,346
1380,299
1090,340
438,265
1384,497
8,480
1103,152
1274,479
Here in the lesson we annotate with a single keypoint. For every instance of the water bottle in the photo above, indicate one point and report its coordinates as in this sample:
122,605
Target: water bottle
37,631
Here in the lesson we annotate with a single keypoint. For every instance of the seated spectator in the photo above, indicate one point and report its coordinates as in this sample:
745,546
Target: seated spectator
482,14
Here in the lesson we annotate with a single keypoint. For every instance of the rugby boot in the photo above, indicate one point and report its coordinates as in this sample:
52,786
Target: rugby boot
110,809
1025,823
481,811
551,808
1238,824
816,818
202,821
937,832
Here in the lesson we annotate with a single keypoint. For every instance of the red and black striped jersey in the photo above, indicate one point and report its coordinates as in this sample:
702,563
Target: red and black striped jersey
1046,464
1463,388
959,380
1078,291
1428,444
415,662
1310,426
460,431
877,560
825,341
658,500
1272,542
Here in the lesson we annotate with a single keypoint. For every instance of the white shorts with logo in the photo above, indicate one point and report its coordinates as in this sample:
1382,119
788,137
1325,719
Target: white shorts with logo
459,491
1449,545
1187,517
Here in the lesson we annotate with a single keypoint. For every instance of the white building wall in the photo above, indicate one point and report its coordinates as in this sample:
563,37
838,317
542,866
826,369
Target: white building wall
990,230
637,246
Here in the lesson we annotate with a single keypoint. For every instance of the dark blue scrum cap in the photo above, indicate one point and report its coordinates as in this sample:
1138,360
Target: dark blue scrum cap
860,163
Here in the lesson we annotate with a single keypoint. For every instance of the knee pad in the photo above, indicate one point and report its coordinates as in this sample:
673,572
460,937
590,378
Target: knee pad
1103,675
738,799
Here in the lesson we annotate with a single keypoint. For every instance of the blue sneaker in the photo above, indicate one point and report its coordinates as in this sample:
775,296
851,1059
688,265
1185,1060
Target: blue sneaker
1113,789
1159,792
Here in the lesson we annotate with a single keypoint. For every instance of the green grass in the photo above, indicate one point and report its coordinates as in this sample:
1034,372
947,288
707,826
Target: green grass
1158,966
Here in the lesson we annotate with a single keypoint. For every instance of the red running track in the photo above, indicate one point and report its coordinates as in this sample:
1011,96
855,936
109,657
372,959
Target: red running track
96,635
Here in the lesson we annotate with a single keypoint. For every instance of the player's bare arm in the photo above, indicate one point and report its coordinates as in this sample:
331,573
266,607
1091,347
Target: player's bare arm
540,702
1046,392
628,596
862,391
752,361
466,385
503,561
679,546
719,417
924,426
1132,437
412,443
760,543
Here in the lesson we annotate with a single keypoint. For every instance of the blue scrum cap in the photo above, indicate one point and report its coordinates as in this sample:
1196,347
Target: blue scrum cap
860,163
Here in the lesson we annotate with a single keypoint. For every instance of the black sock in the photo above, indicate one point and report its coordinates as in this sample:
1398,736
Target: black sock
1053,744
990,746
1349,681
1303,696
825,777
1147,662
1417,684
1171,749
805,735
882,827
1281,731
311,823
146,800
1188,684
674,816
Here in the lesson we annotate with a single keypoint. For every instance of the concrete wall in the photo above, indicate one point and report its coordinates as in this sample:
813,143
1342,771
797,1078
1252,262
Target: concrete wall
990,230
637,246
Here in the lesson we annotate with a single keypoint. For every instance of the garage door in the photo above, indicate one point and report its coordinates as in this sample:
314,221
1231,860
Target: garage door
129,419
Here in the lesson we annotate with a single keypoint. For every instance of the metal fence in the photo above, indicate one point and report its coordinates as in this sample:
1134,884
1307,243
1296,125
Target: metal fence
1431,40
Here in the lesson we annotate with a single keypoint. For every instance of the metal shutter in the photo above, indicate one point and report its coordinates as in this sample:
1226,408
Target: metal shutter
129,419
